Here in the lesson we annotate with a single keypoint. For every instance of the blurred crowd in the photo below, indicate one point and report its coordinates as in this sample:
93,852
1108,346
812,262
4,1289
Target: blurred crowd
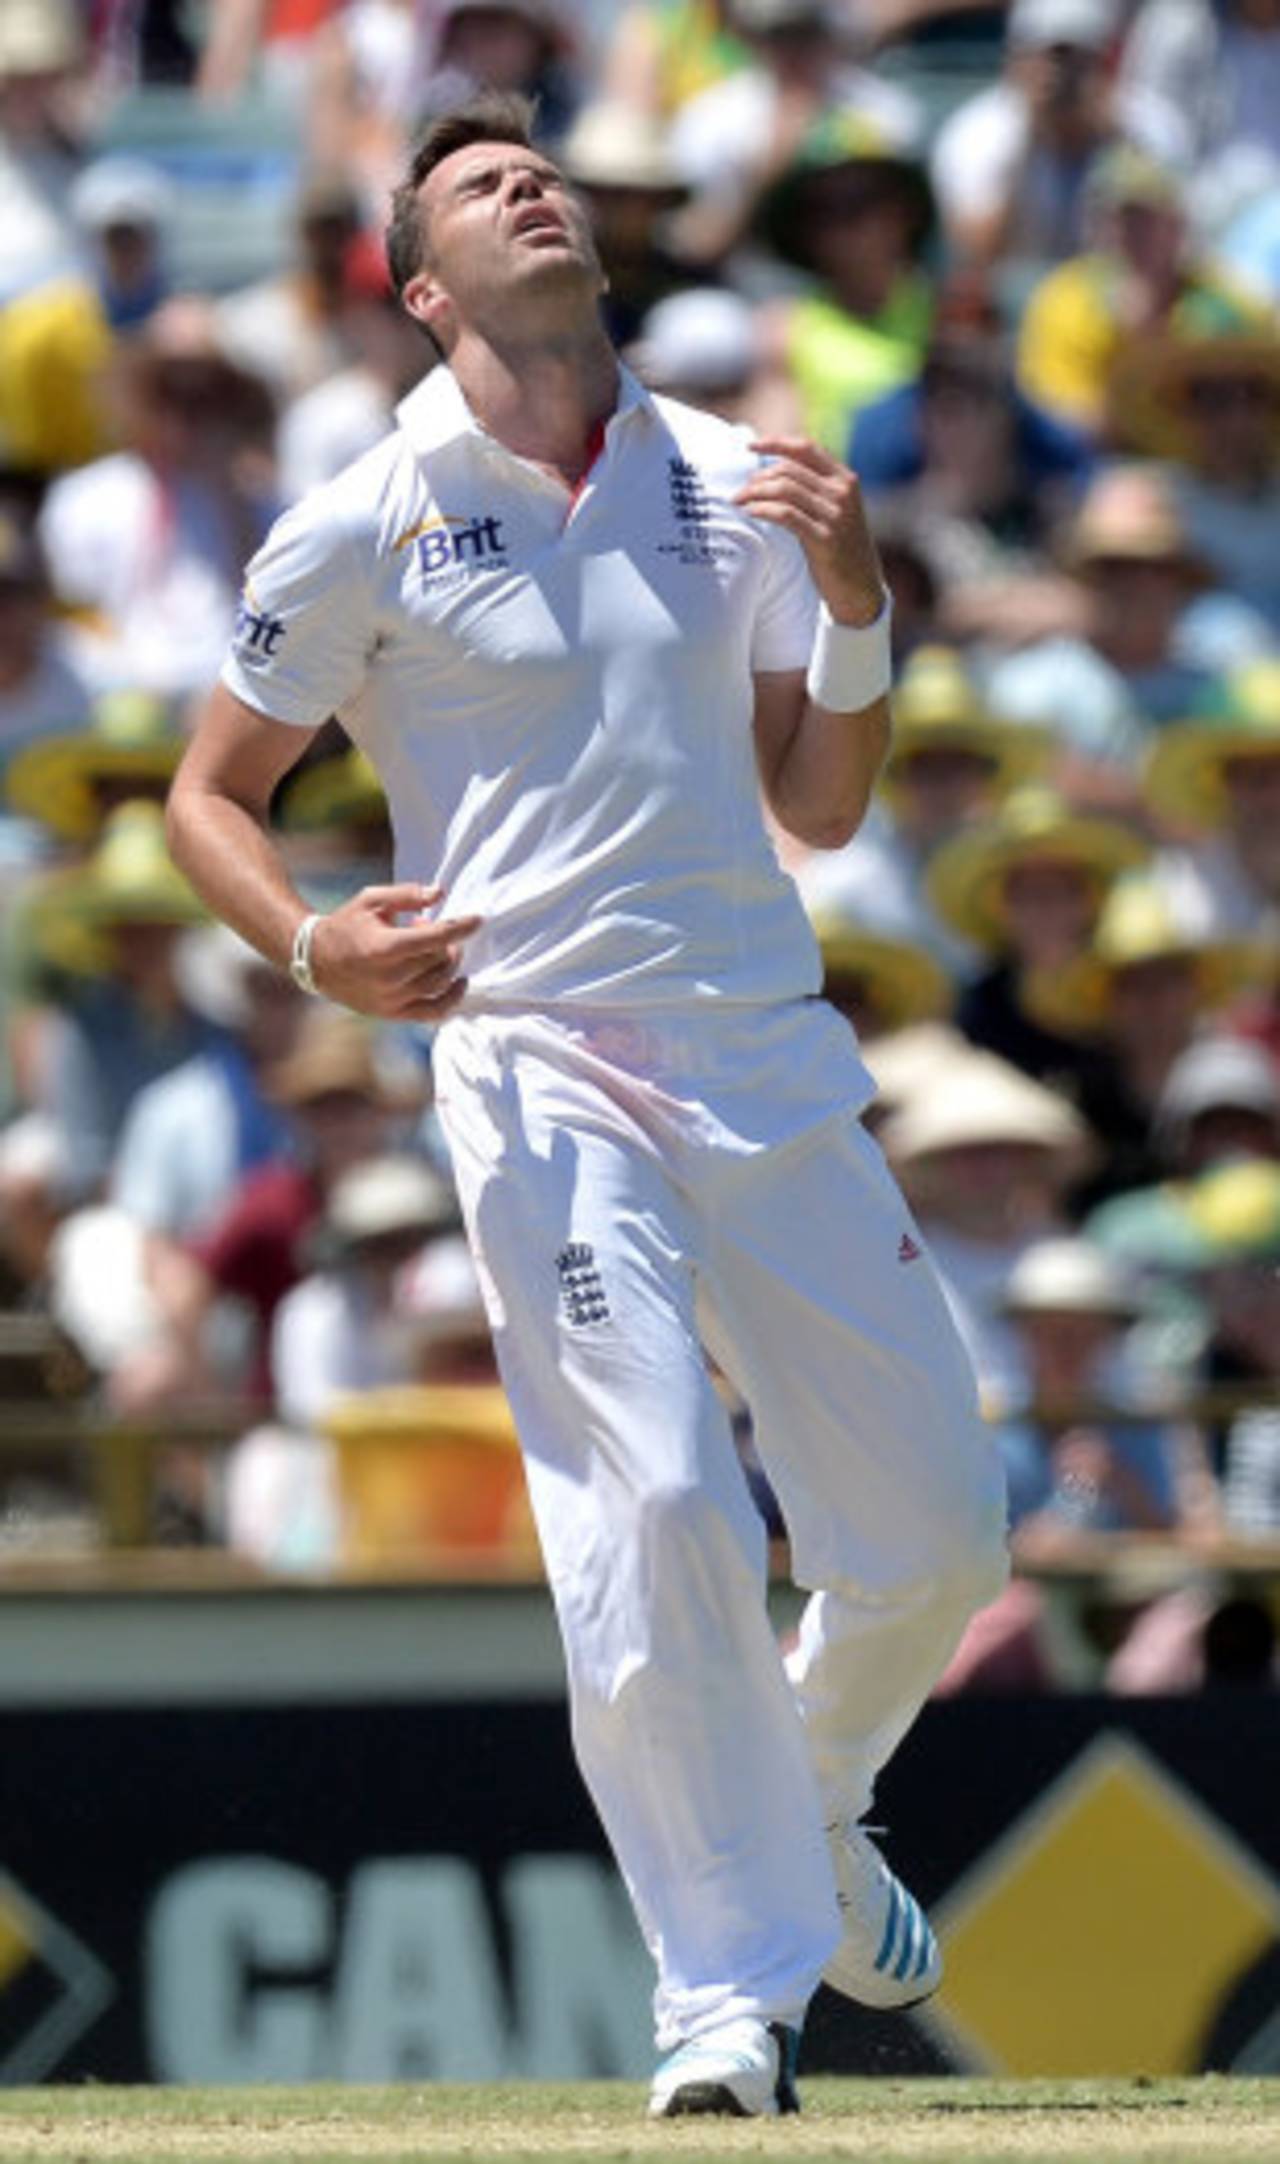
1021,267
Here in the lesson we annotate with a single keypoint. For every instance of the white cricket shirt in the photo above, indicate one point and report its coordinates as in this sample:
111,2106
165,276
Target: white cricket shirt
557,695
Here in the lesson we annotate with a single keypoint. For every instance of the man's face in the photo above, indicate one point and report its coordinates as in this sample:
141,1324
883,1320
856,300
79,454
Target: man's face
500,223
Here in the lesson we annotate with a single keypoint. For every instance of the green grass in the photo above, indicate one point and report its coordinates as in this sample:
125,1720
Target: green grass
876,2122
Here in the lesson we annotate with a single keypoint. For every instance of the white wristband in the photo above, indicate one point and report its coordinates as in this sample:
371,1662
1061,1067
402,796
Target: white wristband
300,958
850,665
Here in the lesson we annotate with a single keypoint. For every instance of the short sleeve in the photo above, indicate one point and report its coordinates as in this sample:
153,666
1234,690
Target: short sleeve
304,628
782,635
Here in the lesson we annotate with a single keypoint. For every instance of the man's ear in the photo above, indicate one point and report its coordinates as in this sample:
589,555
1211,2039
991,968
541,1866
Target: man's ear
428,304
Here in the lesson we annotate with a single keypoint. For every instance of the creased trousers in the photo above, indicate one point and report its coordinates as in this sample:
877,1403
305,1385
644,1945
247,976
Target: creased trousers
615,1237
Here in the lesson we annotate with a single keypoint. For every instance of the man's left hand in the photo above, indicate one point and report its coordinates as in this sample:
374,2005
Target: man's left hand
818,500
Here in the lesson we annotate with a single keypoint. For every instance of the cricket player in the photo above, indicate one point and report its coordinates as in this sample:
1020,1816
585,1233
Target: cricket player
580,630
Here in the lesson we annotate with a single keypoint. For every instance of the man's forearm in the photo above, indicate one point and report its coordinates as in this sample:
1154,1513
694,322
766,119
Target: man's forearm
227,853
821,788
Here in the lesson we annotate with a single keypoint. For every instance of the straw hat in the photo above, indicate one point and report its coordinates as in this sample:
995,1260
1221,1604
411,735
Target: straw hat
901,981
341,791
612,145
1151,382
982,1099
906,1060
1183,779
1129,515
1034,826
39,37
936,707
129,879
61,780
1138,924
386,1198
1070,1276
338,1053
849,143
1232,1213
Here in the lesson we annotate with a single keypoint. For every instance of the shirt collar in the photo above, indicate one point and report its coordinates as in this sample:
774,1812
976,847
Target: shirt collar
435,411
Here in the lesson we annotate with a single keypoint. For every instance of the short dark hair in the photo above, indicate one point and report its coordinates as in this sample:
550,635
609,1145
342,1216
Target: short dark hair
490,117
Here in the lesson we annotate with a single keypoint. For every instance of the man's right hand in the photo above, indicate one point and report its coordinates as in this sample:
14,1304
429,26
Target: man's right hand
364,956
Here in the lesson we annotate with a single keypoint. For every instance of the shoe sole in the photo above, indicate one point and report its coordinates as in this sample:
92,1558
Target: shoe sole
705,2099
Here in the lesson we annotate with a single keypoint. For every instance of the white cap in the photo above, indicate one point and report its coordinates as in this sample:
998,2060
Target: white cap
392,1194
705,338
39,37
1087,23
121,191
1070,1275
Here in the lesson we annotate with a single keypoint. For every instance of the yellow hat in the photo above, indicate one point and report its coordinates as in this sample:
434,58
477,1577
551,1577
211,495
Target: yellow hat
1233,1212
901,981
344,790
1139,924
130,879
1183,779
1033,825
1150,385
60,780
935,707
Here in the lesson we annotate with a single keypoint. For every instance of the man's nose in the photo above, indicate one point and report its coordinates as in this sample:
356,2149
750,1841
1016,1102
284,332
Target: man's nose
523,183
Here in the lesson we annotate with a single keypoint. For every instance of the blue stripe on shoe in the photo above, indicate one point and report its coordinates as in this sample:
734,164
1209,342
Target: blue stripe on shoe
927,1953
915,1928
885,1954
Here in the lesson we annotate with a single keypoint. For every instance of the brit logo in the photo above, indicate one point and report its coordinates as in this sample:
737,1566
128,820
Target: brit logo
449,549
257,634
582,1295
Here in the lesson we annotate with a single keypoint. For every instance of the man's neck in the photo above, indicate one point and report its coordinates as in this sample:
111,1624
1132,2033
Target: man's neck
544,399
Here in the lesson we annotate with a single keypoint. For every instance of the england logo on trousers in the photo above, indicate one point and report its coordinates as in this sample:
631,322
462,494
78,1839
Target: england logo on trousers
582,1298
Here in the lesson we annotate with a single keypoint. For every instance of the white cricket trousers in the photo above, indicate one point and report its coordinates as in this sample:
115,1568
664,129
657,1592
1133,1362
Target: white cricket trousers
615,1237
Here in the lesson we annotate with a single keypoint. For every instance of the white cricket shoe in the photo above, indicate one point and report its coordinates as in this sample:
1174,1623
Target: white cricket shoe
745,2069
888,1957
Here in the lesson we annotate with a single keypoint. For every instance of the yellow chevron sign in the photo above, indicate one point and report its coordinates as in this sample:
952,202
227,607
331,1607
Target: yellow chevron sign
1103,1932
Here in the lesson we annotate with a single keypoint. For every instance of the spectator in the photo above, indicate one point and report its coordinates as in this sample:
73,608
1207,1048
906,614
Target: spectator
1069,1469
853,213
1139,279
41,689
1025,886
108,935
42,50
701,346
151,543
192,1135
662,53
1233,1213
1211,407
1150,981
69,781
291,331
619,161
986,1157
950,764
878,980
1010,164
384,67
334,813
1215,778
986,470
346,413
1074,1463
344,1091
57,343
1217,62
1106,689
734,142
347,1327
1220,1103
